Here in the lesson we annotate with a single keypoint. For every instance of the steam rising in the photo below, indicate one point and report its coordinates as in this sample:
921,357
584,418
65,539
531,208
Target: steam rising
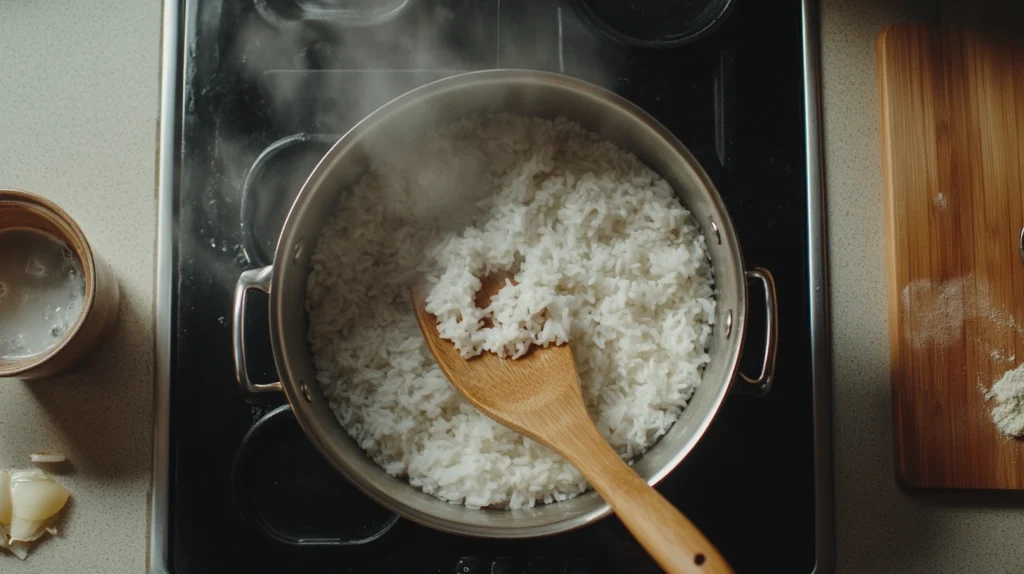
320,70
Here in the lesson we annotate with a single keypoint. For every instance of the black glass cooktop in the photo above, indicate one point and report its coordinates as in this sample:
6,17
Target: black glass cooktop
270,84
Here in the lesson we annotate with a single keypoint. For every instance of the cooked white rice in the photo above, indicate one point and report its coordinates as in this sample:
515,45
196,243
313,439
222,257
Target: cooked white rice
603,255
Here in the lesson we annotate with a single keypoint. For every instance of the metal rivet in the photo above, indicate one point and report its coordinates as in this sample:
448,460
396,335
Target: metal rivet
714,229
297,252
305,392
1021,246
728,324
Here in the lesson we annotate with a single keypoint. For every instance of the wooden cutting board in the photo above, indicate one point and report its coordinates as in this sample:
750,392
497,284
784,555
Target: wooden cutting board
952,110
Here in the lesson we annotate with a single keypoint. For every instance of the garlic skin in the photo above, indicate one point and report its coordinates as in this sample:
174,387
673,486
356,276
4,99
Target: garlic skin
19,549
5,498
47,457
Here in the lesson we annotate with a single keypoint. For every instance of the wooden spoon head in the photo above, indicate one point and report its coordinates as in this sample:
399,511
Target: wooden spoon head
538,395
522,393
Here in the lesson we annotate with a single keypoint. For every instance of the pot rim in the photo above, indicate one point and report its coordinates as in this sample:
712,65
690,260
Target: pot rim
295,389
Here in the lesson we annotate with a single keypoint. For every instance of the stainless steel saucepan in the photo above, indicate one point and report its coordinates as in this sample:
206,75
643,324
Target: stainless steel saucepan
474,93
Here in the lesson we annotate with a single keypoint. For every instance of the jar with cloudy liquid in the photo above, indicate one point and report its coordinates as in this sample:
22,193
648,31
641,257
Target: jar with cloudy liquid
41,292
57,298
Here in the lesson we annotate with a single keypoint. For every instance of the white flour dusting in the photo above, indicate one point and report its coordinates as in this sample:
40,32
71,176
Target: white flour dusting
1000,357
1008,408
998,319
934,312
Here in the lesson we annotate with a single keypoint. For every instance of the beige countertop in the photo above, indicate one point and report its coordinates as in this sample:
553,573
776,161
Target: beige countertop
78,116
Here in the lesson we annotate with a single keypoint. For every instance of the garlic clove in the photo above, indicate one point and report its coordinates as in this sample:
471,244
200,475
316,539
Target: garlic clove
35,498
29,500
5,498
23,530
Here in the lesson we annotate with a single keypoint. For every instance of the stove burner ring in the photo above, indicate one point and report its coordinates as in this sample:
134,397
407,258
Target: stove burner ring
284,488
654,23
270,186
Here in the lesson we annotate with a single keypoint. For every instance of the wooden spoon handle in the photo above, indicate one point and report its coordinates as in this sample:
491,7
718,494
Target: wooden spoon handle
669,537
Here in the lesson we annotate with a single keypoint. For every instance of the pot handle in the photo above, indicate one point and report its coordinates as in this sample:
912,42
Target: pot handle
763,382
251,279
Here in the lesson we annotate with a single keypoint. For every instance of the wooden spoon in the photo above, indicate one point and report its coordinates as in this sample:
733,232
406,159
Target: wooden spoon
538,395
